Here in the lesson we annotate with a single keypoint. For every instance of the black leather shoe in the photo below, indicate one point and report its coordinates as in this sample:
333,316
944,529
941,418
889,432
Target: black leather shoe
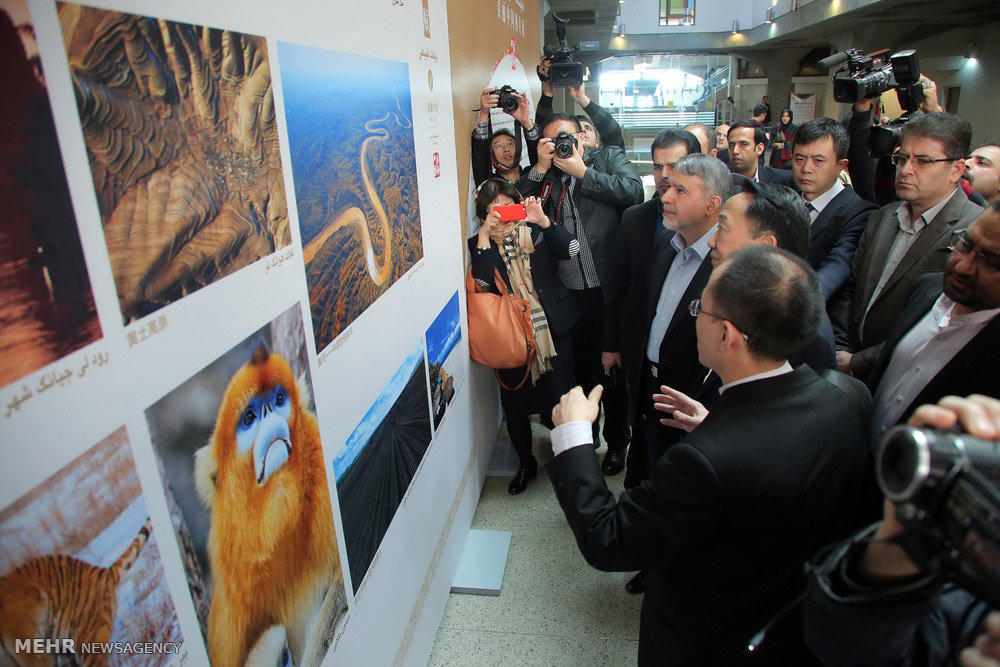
520,481
614,461
637,584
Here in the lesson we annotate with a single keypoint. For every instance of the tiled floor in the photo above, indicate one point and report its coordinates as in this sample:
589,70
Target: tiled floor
553,609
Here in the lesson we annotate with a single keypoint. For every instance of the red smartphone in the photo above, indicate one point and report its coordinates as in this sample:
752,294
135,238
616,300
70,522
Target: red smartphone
511,212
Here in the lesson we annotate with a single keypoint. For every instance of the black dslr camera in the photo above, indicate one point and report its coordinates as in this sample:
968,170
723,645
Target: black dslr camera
563,70
565,143
945,487
507,101
870,75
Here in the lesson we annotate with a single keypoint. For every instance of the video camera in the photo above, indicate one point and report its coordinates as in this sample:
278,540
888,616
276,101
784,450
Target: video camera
563,70
870,75
507,100
944,485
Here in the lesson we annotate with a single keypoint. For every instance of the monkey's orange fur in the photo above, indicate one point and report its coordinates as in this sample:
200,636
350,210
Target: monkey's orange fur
272,548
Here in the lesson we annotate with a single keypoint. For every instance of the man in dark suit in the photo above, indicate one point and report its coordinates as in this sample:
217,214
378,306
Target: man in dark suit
729,515
947,339
837,215
904,240
746,146
667,352
628,287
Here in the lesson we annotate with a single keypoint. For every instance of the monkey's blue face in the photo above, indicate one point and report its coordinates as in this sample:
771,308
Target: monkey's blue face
263,430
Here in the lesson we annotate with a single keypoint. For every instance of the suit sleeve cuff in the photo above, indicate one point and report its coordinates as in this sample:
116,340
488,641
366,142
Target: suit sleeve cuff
570,435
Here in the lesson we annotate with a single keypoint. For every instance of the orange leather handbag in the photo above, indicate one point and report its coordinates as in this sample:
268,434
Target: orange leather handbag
500,331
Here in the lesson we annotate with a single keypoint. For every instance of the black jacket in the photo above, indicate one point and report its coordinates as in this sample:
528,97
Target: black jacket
626,295
551,245
834,236
610,185
728,517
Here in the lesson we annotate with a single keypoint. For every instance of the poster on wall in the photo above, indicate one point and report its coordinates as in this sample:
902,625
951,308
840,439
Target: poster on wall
241,461
350,133
46,303
445,370
179,126
80,565
376,465
803,107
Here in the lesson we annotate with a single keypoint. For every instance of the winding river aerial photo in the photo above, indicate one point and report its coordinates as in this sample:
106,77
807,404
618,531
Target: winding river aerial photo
350,132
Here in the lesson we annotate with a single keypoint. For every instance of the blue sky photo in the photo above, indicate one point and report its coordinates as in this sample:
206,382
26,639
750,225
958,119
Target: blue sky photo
376,413
444,333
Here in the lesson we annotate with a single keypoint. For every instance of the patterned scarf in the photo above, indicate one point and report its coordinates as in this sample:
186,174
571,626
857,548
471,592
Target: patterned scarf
515,248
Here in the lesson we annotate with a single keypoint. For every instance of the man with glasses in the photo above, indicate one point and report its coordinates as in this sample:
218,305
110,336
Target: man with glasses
729,515
947,339
904,239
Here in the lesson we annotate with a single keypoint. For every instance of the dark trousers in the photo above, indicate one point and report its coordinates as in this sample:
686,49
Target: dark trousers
651,438
587,348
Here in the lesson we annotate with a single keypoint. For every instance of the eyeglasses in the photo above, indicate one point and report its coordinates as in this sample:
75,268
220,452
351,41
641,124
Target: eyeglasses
695,309
961,244
919,161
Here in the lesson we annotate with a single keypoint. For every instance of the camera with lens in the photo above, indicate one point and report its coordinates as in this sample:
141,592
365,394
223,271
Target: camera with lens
564,143
563,70
508,102
944,485
870,75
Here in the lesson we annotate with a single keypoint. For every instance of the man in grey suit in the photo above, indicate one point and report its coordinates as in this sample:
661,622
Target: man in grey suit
904,240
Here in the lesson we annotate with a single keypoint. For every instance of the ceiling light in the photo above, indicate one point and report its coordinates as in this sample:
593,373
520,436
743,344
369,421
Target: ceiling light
769,15
736,27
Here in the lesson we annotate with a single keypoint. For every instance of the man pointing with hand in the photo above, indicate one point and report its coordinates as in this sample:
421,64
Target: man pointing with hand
730,514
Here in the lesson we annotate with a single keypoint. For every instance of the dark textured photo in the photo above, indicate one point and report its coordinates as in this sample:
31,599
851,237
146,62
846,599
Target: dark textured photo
179,125
46,304
80,561
239,452
350,132
445,369
379,460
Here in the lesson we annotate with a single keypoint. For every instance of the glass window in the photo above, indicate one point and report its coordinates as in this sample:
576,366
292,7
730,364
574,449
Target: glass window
676,12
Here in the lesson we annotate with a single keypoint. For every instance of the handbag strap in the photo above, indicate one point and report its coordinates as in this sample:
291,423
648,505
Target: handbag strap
527,372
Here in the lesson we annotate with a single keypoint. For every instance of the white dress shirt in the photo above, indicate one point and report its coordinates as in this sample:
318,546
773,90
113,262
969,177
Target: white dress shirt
817,205
920,355
686,263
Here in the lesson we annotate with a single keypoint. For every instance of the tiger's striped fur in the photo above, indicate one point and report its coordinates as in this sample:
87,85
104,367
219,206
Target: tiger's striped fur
62,597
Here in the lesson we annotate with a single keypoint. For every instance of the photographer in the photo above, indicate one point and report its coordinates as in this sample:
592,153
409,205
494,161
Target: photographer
874,178
499,153
603,125
586,191
846,623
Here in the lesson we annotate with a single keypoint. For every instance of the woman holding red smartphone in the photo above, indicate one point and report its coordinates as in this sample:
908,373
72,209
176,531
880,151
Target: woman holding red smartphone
518,240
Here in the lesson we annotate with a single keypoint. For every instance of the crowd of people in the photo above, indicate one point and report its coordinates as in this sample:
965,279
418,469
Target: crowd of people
750,333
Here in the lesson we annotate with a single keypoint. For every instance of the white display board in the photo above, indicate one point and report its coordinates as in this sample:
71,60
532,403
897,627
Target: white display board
254,348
